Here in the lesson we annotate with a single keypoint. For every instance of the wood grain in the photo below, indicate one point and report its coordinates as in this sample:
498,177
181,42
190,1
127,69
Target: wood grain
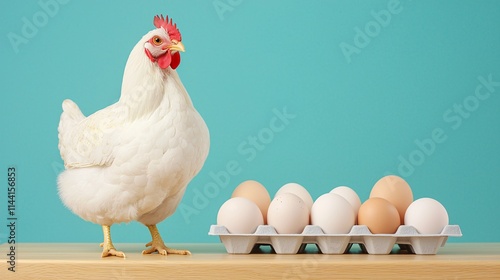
210,261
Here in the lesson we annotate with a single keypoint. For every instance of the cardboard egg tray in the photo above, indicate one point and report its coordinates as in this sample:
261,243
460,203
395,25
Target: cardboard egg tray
406,237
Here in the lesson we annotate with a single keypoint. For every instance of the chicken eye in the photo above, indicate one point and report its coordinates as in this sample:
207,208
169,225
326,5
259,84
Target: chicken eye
157,40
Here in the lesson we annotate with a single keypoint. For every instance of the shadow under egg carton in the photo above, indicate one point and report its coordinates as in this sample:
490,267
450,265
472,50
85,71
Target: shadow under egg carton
407,237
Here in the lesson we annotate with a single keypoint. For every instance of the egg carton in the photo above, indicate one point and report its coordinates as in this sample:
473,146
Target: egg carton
407,237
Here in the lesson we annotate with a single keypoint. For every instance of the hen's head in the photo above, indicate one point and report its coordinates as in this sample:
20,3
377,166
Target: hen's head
164,43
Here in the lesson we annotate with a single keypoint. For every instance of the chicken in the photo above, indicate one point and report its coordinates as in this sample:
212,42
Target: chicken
133,159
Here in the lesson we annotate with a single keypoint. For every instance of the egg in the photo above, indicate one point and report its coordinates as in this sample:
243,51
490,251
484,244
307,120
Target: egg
350,195
299,191
333,213
395,190
255,192
379,215
240,216
427,216
288,214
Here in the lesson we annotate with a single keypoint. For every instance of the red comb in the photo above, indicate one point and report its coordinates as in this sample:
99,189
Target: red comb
169,26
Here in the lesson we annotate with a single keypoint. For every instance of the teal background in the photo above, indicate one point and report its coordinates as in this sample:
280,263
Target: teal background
354,122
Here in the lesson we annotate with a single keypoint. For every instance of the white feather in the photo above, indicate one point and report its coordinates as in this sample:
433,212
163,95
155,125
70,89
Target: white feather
133,159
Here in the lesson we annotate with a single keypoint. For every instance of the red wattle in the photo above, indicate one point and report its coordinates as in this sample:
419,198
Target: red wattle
176,60
164,60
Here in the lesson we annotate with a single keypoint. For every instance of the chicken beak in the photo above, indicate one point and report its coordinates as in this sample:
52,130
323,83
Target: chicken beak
177,46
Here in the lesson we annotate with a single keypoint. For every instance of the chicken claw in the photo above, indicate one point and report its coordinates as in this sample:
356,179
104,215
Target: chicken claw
107,245
162,249
106,252
157,245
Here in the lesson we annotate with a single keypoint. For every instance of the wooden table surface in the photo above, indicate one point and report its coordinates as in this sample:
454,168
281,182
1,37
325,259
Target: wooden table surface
210,261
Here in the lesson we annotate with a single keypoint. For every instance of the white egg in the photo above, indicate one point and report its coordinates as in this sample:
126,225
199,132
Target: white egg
288,214
350,195
240,216
299,191
333,213
427,216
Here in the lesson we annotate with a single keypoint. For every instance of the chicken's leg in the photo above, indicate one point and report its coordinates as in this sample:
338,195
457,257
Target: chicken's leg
157,244
107,245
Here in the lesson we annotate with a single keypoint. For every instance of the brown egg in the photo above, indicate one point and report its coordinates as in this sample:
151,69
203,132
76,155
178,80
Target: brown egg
379,215
395,190
256,192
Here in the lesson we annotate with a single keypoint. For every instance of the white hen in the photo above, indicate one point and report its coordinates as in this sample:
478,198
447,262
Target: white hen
134,159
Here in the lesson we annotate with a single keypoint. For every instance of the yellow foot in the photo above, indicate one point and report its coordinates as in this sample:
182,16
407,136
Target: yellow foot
163,250
111,251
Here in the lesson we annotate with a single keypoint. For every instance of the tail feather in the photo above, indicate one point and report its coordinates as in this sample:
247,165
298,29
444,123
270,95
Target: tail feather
70,118
71,112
